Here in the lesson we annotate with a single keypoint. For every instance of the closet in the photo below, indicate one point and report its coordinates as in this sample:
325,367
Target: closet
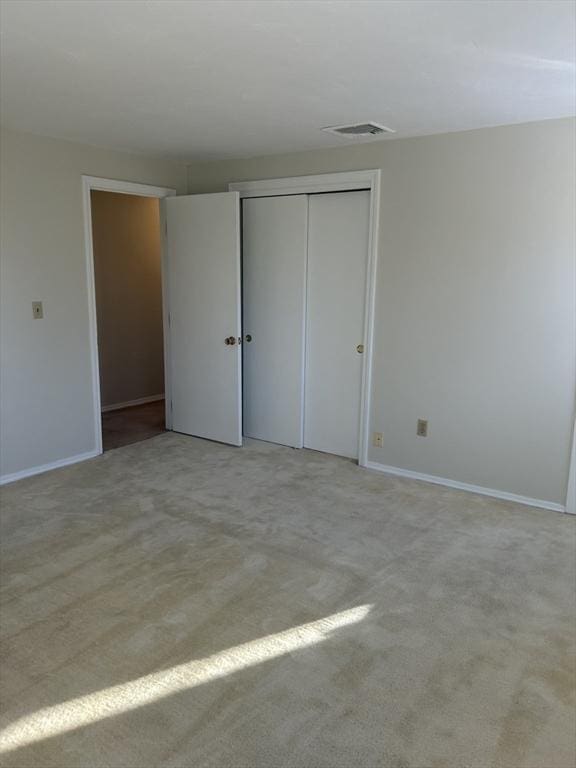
275,231
304,261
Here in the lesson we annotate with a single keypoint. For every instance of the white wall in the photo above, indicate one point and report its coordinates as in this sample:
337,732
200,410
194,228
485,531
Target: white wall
128,277
476,307
45,387
475,299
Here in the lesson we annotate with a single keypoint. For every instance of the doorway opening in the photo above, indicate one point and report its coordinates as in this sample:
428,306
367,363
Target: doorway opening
128,282
127,310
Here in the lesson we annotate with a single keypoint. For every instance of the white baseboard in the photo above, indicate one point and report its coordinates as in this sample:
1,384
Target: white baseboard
47,467
504,495
466,487
129,403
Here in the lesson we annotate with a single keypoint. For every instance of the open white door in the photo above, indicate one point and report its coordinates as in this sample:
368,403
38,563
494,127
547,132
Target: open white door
203,290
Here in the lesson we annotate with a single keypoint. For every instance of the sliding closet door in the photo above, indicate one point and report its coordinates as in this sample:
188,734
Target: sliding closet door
337,263
274,278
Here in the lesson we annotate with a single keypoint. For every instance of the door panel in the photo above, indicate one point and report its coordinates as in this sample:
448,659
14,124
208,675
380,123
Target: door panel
274,280
337,264
203,272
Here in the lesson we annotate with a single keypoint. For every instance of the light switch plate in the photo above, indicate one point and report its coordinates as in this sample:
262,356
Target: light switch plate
37,310
422,428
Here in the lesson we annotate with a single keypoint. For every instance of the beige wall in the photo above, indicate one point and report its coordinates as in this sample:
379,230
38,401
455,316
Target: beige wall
45,387
475,317
127,270
475,298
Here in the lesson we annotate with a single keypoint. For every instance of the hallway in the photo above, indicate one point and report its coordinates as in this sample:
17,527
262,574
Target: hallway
132,425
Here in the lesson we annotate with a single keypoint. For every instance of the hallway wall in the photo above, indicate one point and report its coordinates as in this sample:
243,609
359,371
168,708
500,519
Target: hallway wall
127,267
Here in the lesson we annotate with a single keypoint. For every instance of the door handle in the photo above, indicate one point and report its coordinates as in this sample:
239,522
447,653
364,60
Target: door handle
248,338
360,349
230,341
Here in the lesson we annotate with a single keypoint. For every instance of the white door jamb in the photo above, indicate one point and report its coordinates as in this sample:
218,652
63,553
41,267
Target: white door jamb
571,492
127,188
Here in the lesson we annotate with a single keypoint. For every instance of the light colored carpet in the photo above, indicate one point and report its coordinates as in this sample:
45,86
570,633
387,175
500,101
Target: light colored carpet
179,603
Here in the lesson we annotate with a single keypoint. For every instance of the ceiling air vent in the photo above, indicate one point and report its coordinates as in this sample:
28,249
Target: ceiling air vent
358,129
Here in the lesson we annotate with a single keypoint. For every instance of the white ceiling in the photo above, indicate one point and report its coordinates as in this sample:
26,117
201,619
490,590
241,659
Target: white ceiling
241,77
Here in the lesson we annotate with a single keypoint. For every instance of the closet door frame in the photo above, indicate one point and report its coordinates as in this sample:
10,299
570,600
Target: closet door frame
339,182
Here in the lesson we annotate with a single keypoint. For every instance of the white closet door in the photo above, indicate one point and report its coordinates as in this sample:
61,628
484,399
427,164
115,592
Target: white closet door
337,263
274,280
203,269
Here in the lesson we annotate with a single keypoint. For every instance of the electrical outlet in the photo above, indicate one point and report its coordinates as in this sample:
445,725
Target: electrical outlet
422,428
37,310
377,439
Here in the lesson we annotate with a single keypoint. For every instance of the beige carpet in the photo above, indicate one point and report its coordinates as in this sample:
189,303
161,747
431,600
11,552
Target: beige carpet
179,603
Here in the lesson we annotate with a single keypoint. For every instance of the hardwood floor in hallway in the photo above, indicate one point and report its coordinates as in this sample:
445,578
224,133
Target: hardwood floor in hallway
132,425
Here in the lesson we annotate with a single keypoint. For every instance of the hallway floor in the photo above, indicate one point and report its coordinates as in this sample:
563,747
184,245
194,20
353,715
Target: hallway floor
132,425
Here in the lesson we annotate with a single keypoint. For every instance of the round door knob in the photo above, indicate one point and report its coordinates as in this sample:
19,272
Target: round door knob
248,337
360,349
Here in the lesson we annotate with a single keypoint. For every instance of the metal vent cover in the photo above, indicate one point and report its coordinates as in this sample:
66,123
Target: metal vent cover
358,129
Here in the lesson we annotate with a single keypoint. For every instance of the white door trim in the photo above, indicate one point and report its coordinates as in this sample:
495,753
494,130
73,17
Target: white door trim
339,182
126,188
571,492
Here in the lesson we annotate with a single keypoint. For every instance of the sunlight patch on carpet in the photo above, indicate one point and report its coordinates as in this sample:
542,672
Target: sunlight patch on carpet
119,699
